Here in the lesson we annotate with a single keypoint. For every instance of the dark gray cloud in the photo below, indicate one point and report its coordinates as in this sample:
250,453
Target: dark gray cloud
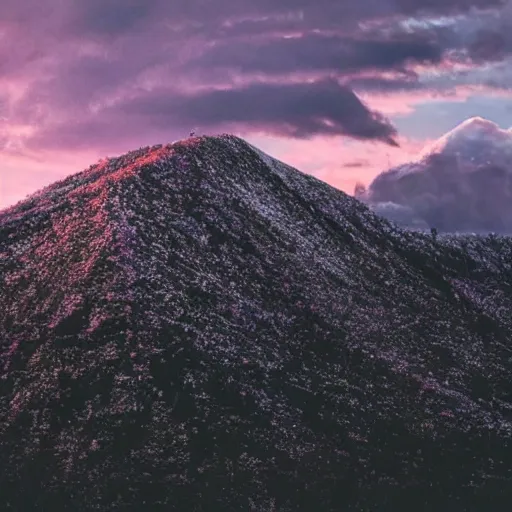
111,17
380,84
477,39
321,53
488,46
357,163
463,183
297,110
316,12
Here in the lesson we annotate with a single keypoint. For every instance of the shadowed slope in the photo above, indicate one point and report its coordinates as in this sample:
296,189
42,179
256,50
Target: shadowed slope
200,327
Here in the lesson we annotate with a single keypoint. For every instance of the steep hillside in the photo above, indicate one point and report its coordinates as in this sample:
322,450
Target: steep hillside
199,327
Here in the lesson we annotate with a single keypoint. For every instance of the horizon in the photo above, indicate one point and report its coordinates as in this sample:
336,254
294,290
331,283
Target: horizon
329,88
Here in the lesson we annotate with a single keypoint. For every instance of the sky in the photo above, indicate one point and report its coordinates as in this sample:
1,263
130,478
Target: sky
340,89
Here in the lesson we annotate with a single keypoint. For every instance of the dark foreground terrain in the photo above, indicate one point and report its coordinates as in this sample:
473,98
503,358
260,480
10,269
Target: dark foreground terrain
199,327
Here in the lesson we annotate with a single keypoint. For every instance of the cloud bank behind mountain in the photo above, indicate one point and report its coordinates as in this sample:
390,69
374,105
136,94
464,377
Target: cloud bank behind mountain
461,182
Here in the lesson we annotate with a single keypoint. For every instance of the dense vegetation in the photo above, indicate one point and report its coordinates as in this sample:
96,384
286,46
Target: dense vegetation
199,327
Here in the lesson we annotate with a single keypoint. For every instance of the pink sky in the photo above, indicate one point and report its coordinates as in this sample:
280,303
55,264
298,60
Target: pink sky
330,87
322,157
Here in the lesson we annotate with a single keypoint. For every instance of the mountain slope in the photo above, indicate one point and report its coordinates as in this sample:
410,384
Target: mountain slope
198,326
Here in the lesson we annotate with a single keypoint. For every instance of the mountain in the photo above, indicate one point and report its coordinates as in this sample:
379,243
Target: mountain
198,326
461,182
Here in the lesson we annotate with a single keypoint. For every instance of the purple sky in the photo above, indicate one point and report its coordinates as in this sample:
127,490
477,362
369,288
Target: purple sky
341,89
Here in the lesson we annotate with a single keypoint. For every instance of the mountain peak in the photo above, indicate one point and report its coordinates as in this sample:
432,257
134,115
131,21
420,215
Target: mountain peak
199,326
89,223
110,170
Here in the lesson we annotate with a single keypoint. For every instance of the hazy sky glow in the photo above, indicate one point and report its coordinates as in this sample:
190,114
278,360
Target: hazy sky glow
329,86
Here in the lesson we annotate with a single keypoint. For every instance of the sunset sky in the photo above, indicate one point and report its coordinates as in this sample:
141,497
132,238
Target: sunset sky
341,89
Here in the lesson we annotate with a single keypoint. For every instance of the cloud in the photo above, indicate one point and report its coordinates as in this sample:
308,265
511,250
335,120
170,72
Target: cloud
332,12
319,52
103,76
356,163
462,182
476,40
110,17
385,85
405,216
295,110
75,63
298,110
488,46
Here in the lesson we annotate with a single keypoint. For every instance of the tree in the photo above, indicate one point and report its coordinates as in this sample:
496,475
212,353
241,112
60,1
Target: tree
359,190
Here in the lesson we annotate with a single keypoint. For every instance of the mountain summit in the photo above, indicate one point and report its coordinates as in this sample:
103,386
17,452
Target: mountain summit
199,326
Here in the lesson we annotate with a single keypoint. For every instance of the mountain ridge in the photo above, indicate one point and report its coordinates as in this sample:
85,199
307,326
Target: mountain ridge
220,330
